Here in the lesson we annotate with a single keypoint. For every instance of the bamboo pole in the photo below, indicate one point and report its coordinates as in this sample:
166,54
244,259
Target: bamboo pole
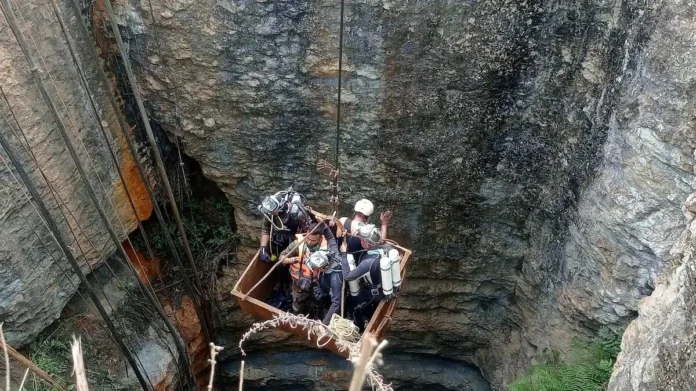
278,263
32,367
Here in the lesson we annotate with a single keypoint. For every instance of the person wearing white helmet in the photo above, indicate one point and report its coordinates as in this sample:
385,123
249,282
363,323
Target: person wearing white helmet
377,270
363,210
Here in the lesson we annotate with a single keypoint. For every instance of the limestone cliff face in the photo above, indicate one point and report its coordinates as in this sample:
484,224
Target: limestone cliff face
657,348
33,286
535,154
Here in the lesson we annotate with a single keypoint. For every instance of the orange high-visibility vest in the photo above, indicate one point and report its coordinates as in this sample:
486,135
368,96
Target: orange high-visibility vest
301,269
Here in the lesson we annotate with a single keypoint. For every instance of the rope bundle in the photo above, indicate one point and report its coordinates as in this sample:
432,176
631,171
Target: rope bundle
344,329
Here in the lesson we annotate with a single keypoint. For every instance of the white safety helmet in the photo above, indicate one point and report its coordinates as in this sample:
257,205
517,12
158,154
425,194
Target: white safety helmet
369,233
365,207
318,260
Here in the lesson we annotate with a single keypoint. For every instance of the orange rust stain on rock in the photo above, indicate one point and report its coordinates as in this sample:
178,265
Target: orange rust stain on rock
147,268
135,184
187,320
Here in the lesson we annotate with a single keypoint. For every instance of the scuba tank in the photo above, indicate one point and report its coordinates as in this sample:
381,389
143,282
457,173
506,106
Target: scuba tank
395,259
385,266
353,286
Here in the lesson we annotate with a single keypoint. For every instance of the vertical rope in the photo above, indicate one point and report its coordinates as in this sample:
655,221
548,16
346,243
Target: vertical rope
334,183
66,250
201,301
134,153
340,73
85,84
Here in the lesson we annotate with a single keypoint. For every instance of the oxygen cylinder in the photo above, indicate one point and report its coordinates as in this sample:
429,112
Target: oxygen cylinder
353,286
395,259
385,265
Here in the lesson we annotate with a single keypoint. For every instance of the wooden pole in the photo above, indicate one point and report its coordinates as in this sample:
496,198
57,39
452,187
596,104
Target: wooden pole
241,376
32,367
278,263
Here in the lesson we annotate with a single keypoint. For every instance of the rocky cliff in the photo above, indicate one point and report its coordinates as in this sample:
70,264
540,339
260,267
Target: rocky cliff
35,279
535,154
657,348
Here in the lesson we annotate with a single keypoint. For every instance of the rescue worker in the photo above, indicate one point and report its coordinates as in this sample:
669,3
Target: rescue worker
285,215
331,284
363,209
305,262
378,270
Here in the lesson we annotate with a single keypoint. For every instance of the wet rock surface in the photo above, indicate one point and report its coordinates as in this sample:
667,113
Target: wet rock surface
36,281
316,370
535,154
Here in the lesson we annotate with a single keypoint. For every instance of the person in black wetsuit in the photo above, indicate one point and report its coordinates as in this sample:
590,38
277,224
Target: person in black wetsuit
285,215
363,305
363,209
331,283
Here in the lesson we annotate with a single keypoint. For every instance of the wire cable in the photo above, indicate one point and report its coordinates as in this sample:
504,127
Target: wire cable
109,146
9,16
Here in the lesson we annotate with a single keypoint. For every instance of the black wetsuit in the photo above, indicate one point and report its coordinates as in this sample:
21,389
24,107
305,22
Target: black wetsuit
364,304
353,244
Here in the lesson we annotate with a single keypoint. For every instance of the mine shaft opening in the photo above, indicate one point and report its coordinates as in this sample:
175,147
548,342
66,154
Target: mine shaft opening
208,220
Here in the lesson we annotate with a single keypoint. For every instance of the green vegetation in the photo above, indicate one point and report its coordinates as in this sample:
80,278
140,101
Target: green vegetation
208,224
587,367
53,356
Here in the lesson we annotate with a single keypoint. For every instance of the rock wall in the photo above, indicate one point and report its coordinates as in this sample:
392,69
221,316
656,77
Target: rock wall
316,370
535,153
34,286
657,348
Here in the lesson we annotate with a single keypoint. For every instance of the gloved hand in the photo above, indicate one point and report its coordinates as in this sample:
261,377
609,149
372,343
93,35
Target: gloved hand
263,256
318,293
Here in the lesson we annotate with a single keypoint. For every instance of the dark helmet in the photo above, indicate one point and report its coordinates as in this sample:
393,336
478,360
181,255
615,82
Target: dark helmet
298,214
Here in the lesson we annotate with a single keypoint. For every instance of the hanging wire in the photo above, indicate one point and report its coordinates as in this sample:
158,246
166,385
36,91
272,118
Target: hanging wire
204,319
9,15
340,72
109,146
60,203
77,133
31,226
86,37
334,178
61,242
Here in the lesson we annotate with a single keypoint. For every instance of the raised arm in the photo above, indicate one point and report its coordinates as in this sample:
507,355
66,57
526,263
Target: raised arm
384,218
330,240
